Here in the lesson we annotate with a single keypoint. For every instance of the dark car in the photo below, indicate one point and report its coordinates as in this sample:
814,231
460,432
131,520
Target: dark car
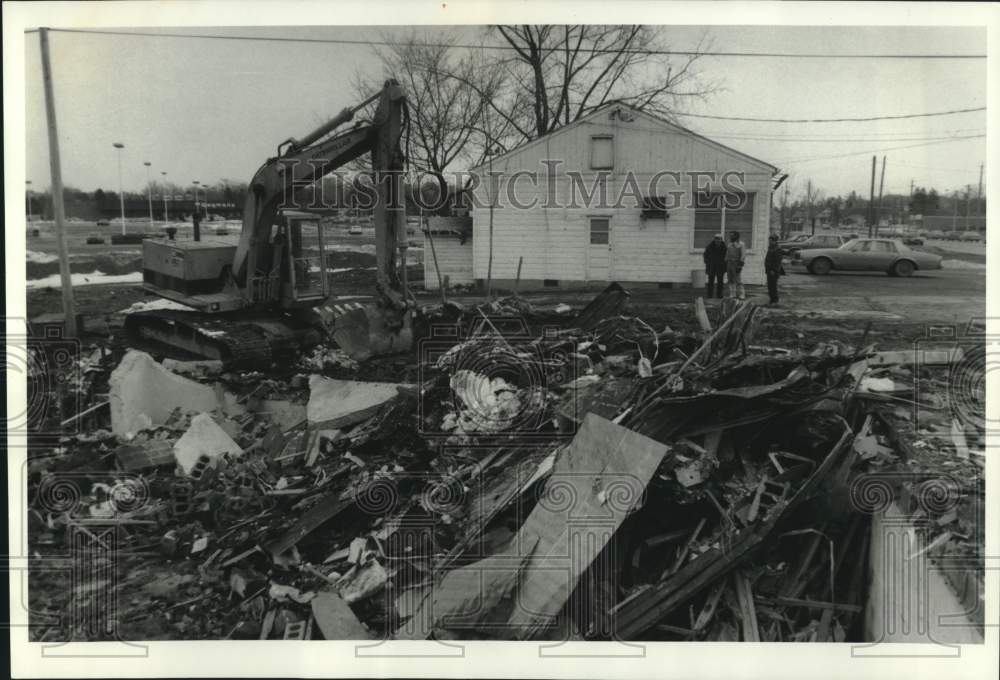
815,241
103,223
913,241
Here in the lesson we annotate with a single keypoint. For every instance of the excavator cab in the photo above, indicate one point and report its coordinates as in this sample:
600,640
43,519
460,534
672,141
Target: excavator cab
289,269
295,272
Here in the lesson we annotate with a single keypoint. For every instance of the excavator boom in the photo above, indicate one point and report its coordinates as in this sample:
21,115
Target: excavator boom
258,288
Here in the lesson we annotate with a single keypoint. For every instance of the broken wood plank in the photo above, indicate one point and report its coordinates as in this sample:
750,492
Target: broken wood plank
701,315
609,302
925,357
711,604
810,604
683,552
83,413
604,470
748,612
335,618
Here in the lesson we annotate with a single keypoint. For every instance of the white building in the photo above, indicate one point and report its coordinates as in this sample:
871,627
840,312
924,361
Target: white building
585,204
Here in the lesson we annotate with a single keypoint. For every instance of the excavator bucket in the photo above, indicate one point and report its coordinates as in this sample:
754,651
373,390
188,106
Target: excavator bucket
374,330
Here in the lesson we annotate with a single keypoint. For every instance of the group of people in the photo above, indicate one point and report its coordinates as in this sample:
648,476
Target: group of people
726,260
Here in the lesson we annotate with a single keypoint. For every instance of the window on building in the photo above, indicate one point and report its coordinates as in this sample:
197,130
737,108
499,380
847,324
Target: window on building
600,230
714,214
602,152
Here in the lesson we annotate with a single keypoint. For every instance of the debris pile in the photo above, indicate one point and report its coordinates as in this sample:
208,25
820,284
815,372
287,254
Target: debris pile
594,479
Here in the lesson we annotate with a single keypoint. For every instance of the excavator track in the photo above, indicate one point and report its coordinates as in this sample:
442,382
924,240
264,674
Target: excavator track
238,340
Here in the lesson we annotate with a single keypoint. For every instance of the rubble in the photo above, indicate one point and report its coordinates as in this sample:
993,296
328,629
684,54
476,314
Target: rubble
145,393
335,403
602,480
203,441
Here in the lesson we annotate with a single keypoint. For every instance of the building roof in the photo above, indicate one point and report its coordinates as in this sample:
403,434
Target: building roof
655,119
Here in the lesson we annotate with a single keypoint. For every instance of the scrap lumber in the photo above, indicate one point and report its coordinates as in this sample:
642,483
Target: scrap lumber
748,612
643,610
610,302
809,604
335,619
604,470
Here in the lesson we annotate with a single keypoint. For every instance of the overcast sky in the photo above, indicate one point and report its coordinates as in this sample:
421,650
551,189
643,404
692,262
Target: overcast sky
212,109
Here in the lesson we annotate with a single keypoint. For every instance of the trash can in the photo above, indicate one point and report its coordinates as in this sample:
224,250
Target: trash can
698,278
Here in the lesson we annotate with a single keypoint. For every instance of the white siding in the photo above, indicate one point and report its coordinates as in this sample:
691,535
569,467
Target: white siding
453,257
554,241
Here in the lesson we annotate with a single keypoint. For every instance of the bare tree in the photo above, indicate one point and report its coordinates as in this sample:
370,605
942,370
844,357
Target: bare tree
554,75
445,113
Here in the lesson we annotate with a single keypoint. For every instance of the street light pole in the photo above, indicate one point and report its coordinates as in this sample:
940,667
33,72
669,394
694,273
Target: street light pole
149,192
166,218
195,217
121,194
27,194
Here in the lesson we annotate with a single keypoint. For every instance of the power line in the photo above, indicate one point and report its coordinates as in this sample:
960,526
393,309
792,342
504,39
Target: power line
688,53
828,139
830,120
892,148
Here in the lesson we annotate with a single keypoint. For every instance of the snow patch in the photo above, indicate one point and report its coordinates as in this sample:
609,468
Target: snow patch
961,264
91,279
155,305
40,258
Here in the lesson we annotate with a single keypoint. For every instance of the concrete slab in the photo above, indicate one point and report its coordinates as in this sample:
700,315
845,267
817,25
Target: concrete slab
144,394
203,438
339,403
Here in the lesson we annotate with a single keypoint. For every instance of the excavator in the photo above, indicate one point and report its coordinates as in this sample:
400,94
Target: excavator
268,296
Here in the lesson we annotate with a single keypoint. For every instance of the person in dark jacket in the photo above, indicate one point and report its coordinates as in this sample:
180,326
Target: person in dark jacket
715,266
773,268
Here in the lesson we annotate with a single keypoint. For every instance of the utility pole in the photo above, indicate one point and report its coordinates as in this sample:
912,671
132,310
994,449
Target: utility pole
149,192
784,204
871,200
69,308
27,195
909,203
121,192
954,216
979,193
809,188
881,182
166,217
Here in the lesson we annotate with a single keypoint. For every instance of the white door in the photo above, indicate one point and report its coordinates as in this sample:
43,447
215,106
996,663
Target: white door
599,249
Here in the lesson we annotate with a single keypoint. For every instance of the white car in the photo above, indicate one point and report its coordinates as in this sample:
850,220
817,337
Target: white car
355,229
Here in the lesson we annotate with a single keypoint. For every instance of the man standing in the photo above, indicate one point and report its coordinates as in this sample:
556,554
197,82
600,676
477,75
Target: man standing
715,266
735,259
773,268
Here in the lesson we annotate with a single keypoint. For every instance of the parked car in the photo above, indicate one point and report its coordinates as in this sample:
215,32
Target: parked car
355,229
913,241
103,223
952,235
798,238
937,235
816,241
94,239
868,254
971,236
